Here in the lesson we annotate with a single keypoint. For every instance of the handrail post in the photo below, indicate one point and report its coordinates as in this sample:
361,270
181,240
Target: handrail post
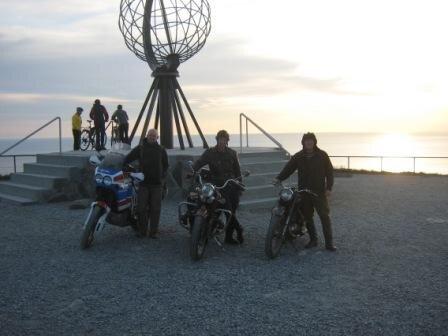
381,164
241,132
348,162
247,133
60,135
15,165
414,164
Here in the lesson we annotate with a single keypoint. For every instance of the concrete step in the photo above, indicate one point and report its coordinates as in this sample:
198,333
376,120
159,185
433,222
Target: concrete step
16,199
273,155
25,191
265,204
263,167
260,191
43,181
65,159
52,170
266,178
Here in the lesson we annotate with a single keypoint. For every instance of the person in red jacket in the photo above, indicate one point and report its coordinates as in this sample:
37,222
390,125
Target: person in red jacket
100,117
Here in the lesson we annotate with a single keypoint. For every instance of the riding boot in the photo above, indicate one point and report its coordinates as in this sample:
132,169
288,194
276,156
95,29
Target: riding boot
312,233
239,232
229,233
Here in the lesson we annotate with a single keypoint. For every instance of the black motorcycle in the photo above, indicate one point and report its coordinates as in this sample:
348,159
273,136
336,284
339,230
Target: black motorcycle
204,213
287,219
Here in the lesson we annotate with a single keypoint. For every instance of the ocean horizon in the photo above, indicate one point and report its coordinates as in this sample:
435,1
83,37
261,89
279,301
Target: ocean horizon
334,143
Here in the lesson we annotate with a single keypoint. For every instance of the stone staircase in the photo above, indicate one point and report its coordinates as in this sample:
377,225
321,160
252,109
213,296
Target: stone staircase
51,174
264,165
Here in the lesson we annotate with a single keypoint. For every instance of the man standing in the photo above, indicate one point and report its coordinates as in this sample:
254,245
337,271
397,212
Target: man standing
315,173
121,117
100,117
153,161
76,128
224,164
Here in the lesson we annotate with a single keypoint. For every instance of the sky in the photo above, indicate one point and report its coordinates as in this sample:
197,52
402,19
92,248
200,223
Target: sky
291,65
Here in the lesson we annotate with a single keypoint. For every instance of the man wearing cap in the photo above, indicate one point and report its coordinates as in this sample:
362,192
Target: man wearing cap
224,164
76,128
121,117
315,173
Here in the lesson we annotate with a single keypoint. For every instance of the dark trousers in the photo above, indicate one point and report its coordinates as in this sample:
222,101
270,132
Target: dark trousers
232,196
123,130
149,207
76,139
320,203
100,131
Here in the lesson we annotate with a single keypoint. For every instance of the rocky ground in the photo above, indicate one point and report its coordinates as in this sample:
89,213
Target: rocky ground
388,277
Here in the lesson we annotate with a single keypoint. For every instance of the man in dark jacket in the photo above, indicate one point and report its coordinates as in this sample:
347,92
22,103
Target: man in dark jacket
224,164
100,117
153,161
315,173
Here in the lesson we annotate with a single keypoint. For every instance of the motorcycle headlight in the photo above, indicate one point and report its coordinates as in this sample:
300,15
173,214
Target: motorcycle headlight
99,178
286,195
107,181
207,190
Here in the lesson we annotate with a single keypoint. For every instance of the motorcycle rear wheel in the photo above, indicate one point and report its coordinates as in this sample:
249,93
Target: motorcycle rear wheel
88,232
274,237
198,238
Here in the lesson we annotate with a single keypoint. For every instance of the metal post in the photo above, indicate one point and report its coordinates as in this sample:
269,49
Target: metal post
15,165
414,164
348,162
381,164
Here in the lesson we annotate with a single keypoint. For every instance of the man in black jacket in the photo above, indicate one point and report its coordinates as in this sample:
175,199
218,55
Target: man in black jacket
224,164
100,117
315,173
153,161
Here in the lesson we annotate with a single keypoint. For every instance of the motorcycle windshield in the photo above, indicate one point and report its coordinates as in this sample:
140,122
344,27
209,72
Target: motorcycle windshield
113,160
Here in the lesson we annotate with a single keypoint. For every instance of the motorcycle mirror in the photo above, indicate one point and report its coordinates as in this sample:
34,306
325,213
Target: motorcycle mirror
246,173
94,160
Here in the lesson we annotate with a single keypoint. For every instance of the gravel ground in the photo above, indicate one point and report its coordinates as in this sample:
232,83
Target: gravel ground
389,276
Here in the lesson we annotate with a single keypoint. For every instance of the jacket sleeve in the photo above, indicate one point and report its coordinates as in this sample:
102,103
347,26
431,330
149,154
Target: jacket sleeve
132,155
114,115
328,172
289,168
202,161
106,115
165,164
91,115
126,115
237,168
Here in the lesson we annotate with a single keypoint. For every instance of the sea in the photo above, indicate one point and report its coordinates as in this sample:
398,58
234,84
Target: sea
398,150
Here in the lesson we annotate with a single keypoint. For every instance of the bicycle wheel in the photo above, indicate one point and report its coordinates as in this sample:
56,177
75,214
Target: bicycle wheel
85,140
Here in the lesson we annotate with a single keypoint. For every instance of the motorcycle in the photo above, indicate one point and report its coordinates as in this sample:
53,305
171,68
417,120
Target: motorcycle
116,196
203,214
287,219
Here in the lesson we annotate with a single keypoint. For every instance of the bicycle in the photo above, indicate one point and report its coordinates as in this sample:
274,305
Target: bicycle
88,138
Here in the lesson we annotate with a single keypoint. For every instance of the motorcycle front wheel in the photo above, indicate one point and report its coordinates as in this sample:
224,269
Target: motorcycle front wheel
198,238
88,232
274,237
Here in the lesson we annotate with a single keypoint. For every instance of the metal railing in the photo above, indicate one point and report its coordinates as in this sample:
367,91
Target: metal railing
270,137
15,156
36,131
381,158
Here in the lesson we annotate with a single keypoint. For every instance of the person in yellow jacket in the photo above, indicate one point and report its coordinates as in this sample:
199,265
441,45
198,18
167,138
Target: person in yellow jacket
76,128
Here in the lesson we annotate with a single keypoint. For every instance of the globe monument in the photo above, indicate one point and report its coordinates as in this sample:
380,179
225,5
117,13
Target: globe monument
164,34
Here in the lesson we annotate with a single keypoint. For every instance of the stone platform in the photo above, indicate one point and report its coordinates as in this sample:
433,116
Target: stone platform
69,176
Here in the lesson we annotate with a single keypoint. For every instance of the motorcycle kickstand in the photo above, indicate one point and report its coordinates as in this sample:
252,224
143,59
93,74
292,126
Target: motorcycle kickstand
220,244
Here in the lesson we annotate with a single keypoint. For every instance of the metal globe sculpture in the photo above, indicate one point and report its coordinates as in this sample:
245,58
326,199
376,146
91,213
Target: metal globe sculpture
165,34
